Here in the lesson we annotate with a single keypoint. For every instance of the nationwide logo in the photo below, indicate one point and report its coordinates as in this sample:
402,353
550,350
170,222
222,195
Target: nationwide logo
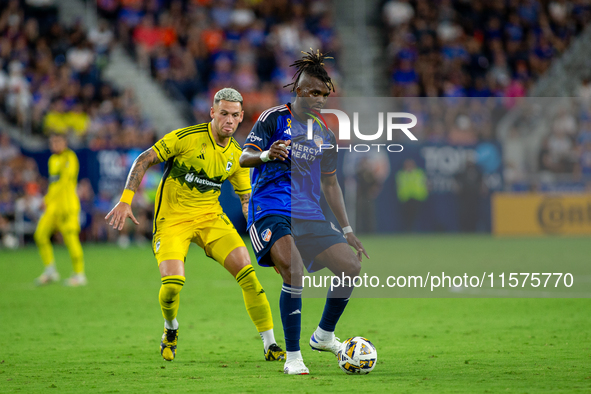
266,235
195,179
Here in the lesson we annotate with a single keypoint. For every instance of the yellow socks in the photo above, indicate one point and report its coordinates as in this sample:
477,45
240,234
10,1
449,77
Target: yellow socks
43,241
170,295
72,241
255,299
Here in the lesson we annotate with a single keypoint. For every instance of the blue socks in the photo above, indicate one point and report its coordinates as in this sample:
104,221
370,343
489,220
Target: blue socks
336,301
290,305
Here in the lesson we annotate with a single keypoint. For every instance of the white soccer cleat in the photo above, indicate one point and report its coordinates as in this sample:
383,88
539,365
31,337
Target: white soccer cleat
76,280
332,345
295,367
46,279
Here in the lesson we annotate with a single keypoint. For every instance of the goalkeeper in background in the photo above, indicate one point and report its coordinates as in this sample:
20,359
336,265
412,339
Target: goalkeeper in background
62,207
198,160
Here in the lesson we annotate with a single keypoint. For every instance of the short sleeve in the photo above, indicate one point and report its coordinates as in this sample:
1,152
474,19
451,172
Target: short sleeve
261,134
240,180
328,165
169,146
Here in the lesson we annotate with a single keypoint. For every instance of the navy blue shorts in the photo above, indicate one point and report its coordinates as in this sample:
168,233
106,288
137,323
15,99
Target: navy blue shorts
311,237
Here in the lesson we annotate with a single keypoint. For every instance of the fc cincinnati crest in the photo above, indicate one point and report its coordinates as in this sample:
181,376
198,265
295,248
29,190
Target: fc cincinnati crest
266,235
318,140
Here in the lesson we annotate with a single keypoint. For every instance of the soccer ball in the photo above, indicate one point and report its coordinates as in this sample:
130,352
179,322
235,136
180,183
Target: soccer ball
357,355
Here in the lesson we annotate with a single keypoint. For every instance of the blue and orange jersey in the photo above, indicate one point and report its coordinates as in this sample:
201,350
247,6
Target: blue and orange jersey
291,187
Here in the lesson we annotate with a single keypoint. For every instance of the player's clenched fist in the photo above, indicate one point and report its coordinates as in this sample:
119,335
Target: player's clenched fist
278,150
118,214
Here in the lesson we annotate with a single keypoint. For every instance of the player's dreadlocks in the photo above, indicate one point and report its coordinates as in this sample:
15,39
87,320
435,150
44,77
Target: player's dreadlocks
311,64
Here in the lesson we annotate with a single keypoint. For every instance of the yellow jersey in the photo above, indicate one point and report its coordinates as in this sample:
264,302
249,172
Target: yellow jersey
63,177
196,166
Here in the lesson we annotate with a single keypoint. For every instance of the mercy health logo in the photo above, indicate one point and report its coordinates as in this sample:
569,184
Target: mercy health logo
344,130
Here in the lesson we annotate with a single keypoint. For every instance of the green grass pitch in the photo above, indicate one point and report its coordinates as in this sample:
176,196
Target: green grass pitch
105,337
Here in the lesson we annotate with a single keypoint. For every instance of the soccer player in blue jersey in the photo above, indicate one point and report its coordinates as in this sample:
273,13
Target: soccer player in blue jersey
287,227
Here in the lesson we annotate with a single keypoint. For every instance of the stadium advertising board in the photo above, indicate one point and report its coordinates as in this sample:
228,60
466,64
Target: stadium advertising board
540,214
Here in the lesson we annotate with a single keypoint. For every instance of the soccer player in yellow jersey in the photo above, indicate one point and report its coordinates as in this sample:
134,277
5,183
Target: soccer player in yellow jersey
62,207
198,160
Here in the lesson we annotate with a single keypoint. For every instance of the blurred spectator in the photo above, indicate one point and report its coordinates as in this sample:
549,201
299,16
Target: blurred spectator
471,189
397,12
8,150
412,191
18,97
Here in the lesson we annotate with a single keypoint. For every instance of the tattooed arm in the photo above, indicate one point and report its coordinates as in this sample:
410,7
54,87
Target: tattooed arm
139,167
122,210
244,198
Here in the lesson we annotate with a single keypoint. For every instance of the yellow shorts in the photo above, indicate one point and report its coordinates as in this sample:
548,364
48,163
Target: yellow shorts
54,219
214,233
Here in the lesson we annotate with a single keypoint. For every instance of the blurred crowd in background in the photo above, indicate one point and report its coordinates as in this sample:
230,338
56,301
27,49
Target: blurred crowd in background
196,47
495,50
51,75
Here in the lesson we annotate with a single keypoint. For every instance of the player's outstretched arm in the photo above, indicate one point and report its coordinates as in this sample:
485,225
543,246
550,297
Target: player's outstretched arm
334,197
122,210
253,158
244,199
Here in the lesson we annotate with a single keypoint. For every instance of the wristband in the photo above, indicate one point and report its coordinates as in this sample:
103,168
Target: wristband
127,196
265,156
347,230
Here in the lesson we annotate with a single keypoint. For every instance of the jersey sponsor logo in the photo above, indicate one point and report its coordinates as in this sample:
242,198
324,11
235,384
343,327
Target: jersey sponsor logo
195,179
157,245
163,144
253,138
266,235
300,151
